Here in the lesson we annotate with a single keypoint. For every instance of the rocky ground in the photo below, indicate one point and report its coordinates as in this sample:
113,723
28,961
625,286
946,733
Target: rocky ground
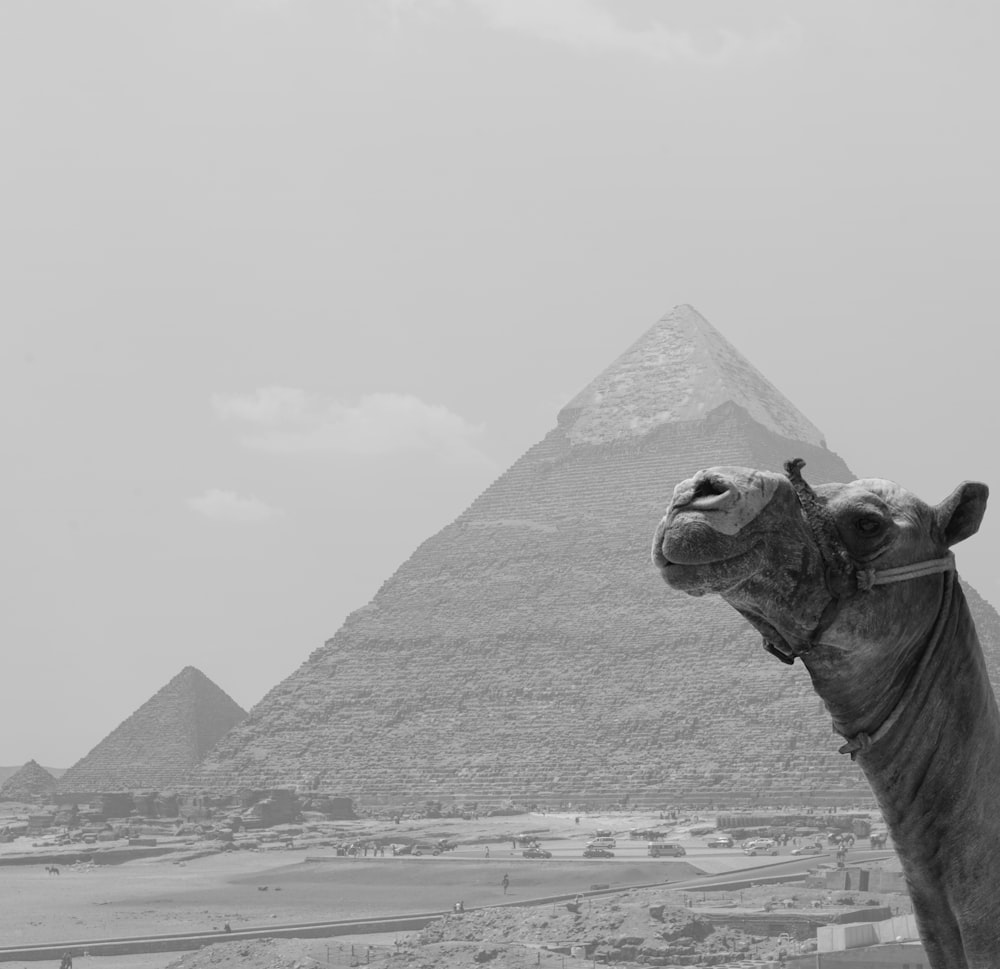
249,888
636,928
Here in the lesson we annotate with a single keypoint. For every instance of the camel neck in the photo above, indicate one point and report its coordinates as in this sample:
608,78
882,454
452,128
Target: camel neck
951,631
927,754
867,689
935,772
947,694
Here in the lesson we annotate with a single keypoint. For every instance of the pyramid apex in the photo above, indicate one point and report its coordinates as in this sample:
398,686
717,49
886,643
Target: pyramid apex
680,369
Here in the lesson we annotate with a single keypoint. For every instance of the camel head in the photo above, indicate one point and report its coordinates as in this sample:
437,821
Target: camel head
845,576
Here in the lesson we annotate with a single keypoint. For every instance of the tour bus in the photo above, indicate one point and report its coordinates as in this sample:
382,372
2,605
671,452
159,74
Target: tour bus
667,849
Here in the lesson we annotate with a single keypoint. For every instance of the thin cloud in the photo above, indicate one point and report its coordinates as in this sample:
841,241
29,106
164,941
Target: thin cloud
267,405
589,25
230,507
287,420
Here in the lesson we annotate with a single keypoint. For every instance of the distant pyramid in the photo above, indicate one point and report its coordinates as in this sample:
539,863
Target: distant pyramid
530,649
32,782
155,747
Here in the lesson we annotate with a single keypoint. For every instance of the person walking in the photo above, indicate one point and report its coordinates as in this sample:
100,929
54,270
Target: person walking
505,882
487,851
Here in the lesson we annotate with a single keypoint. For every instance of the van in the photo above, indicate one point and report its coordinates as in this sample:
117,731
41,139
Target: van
604,842
666,850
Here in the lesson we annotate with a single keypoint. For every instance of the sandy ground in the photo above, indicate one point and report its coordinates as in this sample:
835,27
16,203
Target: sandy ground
253,889
250,891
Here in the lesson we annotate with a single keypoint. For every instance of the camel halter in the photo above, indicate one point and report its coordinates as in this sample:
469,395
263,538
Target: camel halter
845,579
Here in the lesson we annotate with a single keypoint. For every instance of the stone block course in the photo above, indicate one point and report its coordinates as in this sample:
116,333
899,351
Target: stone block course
533,632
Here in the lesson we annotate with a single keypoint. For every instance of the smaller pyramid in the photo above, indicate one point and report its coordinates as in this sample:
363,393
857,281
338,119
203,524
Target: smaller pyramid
679,370
32,782
156,747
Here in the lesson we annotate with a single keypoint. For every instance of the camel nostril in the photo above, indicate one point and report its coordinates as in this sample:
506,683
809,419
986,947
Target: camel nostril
706,487
706,490
711,493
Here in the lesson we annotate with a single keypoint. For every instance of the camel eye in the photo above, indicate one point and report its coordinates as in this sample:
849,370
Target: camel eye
868,525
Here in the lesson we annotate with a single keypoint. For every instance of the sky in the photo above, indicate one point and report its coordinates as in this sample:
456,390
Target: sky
287,283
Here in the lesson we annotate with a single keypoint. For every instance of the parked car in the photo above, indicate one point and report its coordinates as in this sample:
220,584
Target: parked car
425,849
602,842
536,853
761,846
723,841
597,853
808,850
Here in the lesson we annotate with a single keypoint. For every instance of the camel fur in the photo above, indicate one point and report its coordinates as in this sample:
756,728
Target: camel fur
858,583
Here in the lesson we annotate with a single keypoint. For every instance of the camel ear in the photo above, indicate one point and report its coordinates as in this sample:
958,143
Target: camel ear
961,513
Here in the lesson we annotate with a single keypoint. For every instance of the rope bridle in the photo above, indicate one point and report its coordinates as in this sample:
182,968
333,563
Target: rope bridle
844,580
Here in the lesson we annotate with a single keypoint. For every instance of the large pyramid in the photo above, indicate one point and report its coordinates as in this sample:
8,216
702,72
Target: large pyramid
155,747
31,782
530,650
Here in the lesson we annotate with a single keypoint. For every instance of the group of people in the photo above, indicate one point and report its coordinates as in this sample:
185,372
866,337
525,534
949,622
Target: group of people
362,848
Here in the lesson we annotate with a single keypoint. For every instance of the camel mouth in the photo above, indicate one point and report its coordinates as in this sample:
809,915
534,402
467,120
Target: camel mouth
670,555
721,576
665,565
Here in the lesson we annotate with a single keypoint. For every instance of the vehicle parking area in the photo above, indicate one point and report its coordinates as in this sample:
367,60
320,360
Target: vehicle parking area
712,852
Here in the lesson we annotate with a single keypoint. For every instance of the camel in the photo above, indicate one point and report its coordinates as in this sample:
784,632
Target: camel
857,582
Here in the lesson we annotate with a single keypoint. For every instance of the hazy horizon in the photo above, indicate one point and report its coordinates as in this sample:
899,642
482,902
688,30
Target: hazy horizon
289,284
